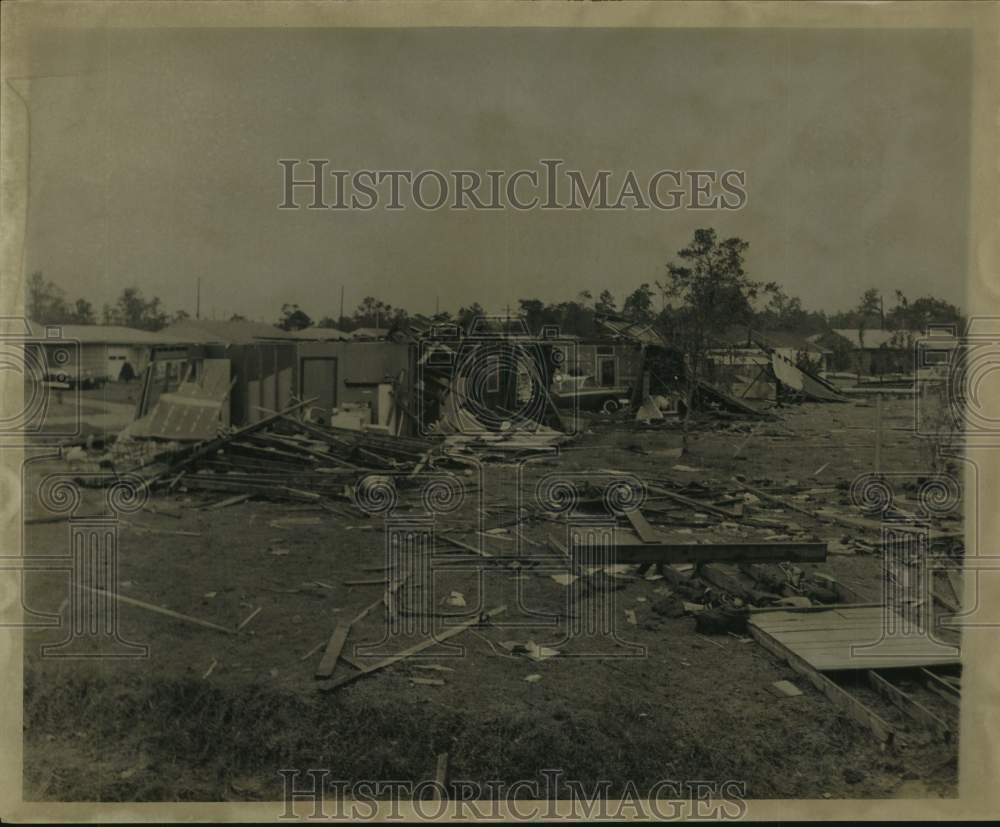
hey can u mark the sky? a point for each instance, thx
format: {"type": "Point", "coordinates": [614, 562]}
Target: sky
{"type": "Point", "coordinates": [154, 160]}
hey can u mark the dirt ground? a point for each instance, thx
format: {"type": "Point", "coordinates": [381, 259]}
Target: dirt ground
{"type": "Point", "coordinates": [214, 716]}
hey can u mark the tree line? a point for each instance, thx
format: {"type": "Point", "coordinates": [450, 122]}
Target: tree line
{"type": "Point", "coordinates": [703, 291]}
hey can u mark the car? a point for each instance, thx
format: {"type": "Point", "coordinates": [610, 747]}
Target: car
{"type": "Point", "coordinates": [585, 394]}
{"type": "Point", "coordinates": [73, 377]}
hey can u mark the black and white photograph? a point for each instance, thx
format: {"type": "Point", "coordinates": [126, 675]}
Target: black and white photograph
{"type": "Point", "coordinates": [499, 411]}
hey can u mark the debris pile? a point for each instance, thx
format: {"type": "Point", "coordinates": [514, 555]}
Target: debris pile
{"type": "Point", "coordinates": [282, 458]}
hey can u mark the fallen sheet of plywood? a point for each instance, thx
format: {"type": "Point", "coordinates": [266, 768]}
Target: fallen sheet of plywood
{"type": "Point", "coordinates": [850, 638]}
{"type": "Point", "coordinates": [195, 411]}
{"type": "Point", "coordinates": [708, 393]}
{"type": "Point", "coordinates": [792, 376]}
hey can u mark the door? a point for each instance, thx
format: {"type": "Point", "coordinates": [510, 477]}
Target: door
{"type": "Point", "coordinates": [607, 375]}
{"type": "Point", "coordinates": [318, 379]}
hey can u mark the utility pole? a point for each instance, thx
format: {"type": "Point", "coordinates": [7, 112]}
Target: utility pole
{"type": "Point", "coordinates": [341, 305]}
{"type": "Point", "coordinates": [197, 302]}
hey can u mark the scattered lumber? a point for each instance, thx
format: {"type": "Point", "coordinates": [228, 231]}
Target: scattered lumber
{"type": "Point", "coordinates": [281, 458]}
{"type": "Point", "coordinates": [448, 633]}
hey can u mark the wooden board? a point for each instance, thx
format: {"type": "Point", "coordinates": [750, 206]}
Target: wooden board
{"type": "Point", "coordinates": [841, 639]}
{"type": "Point", "coordinates": [333, 649]}
{"type": "Point", "coordinates": [642, 526]}
{"type": "Point", "coordinates": [629, 549]}
{"type": "Point", "coordinates": [328, 686]}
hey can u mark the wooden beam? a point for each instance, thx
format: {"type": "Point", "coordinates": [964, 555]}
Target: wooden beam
{"type": "Point", "coordinates": [160, 610]}
{"type": "Point", "coordinates": [459, 544]}
{"type": "Point", "coordinates": [695, 504]}
{"type": "Point", "coordinates": [911, 708]}
{"type": "Point", "coordinates": [250, 617]}
{"type": "Point", "coordinates": [333, 649]}
{"type": "Point", "coordinates": [641, 526]}
{"type": "Point", "coordinates": [628, 550]}
{"type": "Point", "coordinates": [800, 609]}
{"type": "Point", "coordinates": [234, 500]}
{"type": "Point", "coordinates": [880, 728]}
{"type": "Point", "coordinates": [450, 632]}
{"type": "Point", "coordinates": [440, 775]}
{"type": "Point", "coordinates": [942, 688]}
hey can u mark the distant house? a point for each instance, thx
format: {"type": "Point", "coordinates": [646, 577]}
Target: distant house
{"type": "Point", "coordinates": [319, 334]}
{"type": "Point", "coordinates": [371, 334]}
{"type": "Point", "coordinates": [271, 368]}
{"type": "Point", "coordinates": [740, 344]}
{"type": "Point", "coordinates": [870, 352]}
{"type": "Point", "coordinates": [92, 354]}
{"type": "Point", "coordinates": [740, 361]}
{"type": "Point", "coordinates": [608, 363]}
{"type": "Point", "coordinates": [262, 361]}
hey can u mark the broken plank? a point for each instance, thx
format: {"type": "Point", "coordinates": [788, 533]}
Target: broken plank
{"type": "Point", "coordinates": [804, 609]}
{"type": "Point", "coordinates": [440, 775]}
{"type": "Point", "coordinates": [695, 504]}
{"type": "Point", "coordinates": [250, 617]}
{"type": "Point", "coordinates": [764, 495]}
{"type": "Point", "coordinates": [910, 707]}
{"type": "Point", "coordinates": [459, 544]}
{"type": "Point", "coordinates": [234, 500]}
{"type": "Point", "coordinates": [365, 611]}
{"type": "Point", "coordinates": [61, 518]}
{"type": "Point", "coordinates": [160, 610]}
{"type": "Point", "coordinates": [641, 526]}
{"type": "Point", "coordinates": [333, 650]}
{"type": "Point", "coordinates": [942, 688]}
{"type": "Point", "coordinates": [413, 650]}
{"type": "Point", "coordinates": [880, 728]}
{"type": "Point", "coordinates": [627, 550]}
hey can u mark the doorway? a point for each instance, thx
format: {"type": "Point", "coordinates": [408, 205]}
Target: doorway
{"type": "Point", "coordinates": [318, 379]}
